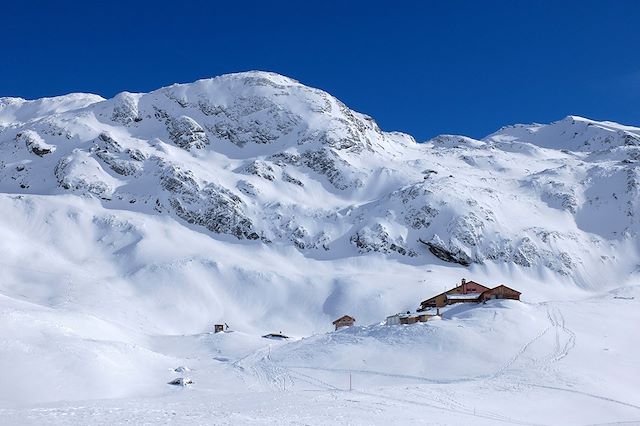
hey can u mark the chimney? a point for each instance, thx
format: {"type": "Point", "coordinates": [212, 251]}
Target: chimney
{"type": "Point", "coordinates": [464, 286]}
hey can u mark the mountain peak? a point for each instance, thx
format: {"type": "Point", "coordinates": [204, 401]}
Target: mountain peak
{"type": "Point", "coordinates": [19, 110]}
{"type": "Point", "coordinates": [572, 133]}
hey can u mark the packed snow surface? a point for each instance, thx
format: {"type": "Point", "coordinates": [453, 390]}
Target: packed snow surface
{"type": "Point", "coordinates": [130, 226]}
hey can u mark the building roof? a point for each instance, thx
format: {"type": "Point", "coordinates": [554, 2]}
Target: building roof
{"type": "Point", "coordinates": [344, 317]}
{"type": "Point", "coordinates": [468, 296]}
{"type": "Point", "coordinates": [502, 285]}
{"type": "Point", "coordinates": [411, 314]}
{"type": "Point", "coordinates": [470, 282]}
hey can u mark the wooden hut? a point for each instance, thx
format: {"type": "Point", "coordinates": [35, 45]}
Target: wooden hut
{"type": "Point", "coordinates": [409, 318]}
{"type": "Point", "coordinates": [218, 328]}
{"type": "Point", "coordinates": [344, 321]}
{"type": "Point", "coordinates": [500, 292]}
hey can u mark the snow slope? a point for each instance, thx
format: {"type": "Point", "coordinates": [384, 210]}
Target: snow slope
{"type": "Point", "coordinates": [131, 225]}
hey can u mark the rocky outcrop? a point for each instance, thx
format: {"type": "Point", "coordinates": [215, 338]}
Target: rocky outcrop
{"type": "Point", "coordinates": [34, 143]}
{"type": "Point", "coordinates": [121, 161]}
{"type": "Point", "coordinates": [446, 252]}
{"type": "Point", "coordinates": [328, 164]}
{"type": "Point", "coordinates": [288, 178]}
{"type": "Point", "coordinates": [377, 239]}
{"type": "Point", "coordinates": [125, 109]}
{"type": "Point", "coordinates": [186, 133]}
{"type": "Point", "coordinates": [261, 169]}
{"type": "Point", "coordinates": [82, 174]}
{"type": "Point", "coordinates": [210, 205]}
{"type": "Point", "coordinates": [250, 120]}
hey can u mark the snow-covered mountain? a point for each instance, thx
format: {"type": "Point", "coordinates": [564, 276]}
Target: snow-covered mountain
{"type": "Point", "coordinates": [255, 200]}
{"type": "Point", "coordinates": [258, 156]}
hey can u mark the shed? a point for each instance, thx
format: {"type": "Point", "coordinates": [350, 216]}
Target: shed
{"type": "Point", "coordinates": [344, 321]}
{"type": "Point", "coordinates": [393, 320]}
{"type": "Point", "coordinates": [409, 318]}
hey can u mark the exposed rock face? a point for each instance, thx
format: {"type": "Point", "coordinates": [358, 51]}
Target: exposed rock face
{"type": "Point", "coordinates": [125, 109]}
{"type": "Point", "coordinates": [288, 178]}
{"type": "Point", "coordinates": [82, 174]}
{"type": "Point", "coordinates": [449, 254]}
{"type": "Point", "coordinates": [122, 161]}
{"type": "Point", "coordinates": [34, 143]}
{"type": "Point", "coordinates": [251, 119]}
{"type": "Point", "coordinates": [261, 169]}
{"type": "Point", "coordinates": [326, 163]}
{"type": "Point", "coordinates": [378, 239]}
{"type": "Point", "coordinates": [257, 156]}
{"type": "Point", "coordinates": [212, 206]}
{"type": "Point", "coordinates": [186, 132]}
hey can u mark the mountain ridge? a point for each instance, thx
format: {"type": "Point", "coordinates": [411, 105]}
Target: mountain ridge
{"type": "Point", "coordinates": [259, 156]}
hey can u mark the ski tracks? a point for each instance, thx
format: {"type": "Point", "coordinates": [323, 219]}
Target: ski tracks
{"type": "Point", "coordinates": [564, 340]}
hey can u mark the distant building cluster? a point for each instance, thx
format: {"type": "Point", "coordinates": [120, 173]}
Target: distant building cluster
{"type": "Point", "coordinates": [466, 292]}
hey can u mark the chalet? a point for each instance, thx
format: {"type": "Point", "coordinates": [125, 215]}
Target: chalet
{"type": "Point", "coordinates": [344, 321]}
{"type": "Point", "coordinates": [469, 292]}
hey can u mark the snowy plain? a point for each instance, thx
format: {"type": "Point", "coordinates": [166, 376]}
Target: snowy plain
{"type": "Point", "coordinates": [130, 226]}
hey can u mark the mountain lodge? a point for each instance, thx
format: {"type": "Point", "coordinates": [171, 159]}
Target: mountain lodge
{"type": "Point", "coordinates": [469, 292]}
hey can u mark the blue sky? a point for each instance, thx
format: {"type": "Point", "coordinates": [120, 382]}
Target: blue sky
{"type": "Point", "coordinates": [426, 68]}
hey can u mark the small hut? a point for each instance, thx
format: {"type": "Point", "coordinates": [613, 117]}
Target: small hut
{"type": "Point", "coordinates": [410, 318]}
{"type": "Point", "coordinates": [344, 321]}
{"type": "Point", "coordinates": [393, 320]}
{"type": "Point", "coordinates": [218, 328]}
